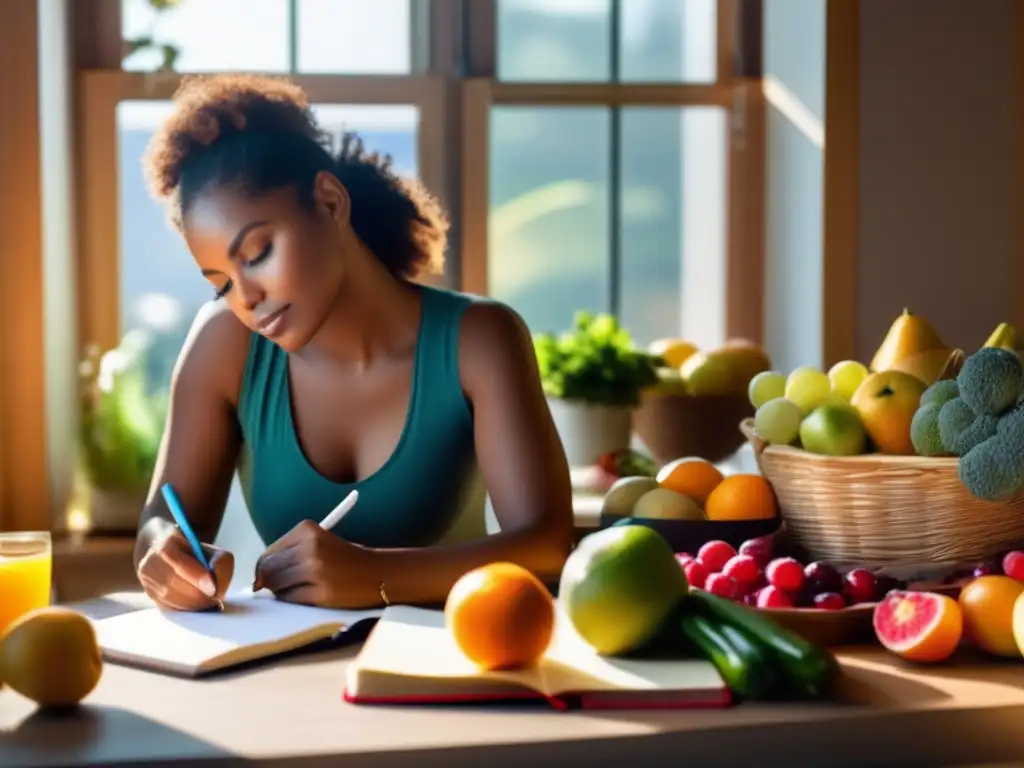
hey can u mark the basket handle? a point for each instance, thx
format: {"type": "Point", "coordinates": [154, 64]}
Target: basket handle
{"type": "Point", "coordinates": [756, 441]}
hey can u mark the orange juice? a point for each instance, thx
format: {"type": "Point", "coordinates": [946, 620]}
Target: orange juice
{"type": "Point", "coordinates": [25, 575]}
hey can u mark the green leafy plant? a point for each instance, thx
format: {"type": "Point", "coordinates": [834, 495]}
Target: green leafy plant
{"type": "Point", "coordinates": [121, 423]}
{"type": "Point", "coordinates": [595, 362]}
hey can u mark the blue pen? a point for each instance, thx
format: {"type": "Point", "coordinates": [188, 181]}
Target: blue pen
{"type": "Point", "coordinates": [178, 513]}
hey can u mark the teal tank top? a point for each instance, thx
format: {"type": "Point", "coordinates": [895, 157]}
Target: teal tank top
{"type": "Point", "coordinates": [416, 496]}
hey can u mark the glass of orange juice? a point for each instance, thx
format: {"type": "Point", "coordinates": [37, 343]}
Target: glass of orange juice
{"type": "Point", "coordinates": [25, 574]}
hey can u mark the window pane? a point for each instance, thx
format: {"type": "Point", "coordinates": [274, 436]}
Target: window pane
{"type": "Point", "coordinates": [161, 288]}
{"type": "Point", "coordinates": [554, 40]}
{"type": "Point", "coordinates": [672, 204]}
{"type": "Point", "coordinates": [354, 36]}
{"type": "Point", "coordinates": [548, 254]}
{"type": "Point", "coordinates": [223, 35]}
{"type": "Point", "coordinates": [668, 40]}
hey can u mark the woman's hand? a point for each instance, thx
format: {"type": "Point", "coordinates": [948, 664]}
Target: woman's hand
{"type": "Point", "coordinates": [173, 578]}
{"type": "Point", "coordinates": [311, 566]}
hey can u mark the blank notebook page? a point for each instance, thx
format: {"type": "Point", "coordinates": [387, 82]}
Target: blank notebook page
{"type": "Point", "coordinates": [188, 640]}
{"type": "Point", "coordinates": [413, 642]}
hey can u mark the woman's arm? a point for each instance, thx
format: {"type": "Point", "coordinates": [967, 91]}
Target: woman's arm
{"type": "Point", "coordinates": [201, 439]}
{"type": "Point", "coordinates": [521, 458]}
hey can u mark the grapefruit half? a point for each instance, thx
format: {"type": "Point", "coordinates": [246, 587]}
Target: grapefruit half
{"type": "Point", "coordinates": [919, 626]}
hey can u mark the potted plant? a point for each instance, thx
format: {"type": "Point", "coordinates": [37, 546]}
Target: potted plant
{"type": "Point", "coordinates": [592, 375]}
{"type": "Point", "coordinates": [121, 426]}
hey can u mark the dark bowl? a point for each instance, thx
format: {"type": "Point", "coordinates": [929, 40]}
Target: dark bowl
{"type": "Point", "coordinates": [690, 535]}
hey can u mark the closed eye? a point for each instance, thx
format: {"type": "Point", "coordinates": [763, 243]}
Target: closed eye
{"type": "Point", "coordinates": [256, 260]}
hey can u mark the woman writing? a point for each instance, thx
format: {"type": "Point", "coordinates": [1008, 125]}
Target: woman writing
{"type": "Point", "coordinates": [321, 367]}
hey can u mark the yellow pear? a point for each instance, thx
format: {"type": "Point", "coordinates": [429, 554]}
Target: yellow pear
{"type": "Point", "coordinates": [926, 366]}
{"type": "Point", "coordinates": [1003, 337]}
{"type": "Point", "coordinates": [909, 335]}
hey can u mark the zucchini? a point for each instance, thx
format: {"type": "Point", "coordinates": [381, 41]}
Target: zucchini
{"type": "Point", "coordinates": [809, 669]}
{"type": "Point", "coordinates": [745, 667]}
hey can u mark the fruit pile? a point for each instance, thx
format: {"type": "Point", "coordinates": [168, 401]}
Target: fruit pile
{"type": "Point", "coordinates": [686, 370]}
{"type": "Point", "coordinates": [623, 592]}
{"type": "Point", "coordinates": [855, 409]}
{"type": "Point", "coordinates": [978, 417]}
{"type": "Point", "coordinates": [759, 577]}
{"type": "Point", "coordinates": [926, 627]}
{"type": "Point", "coordinates": [690, 489]}
{"type": "Point", "coordinates": [51, 656]}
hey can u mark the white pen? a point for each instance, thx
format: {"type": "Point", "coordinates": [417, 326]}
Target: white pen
{"type": "Point", "coordinates": [333, 518]}
{"type": "Point", "coordinates": [340, 511]}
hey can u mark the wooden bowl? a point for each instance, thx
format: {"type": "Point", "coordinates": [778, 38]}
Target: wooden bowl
{"type": "Point", "coordinates": [847, 626]}
{"type": "Point", "coordinates": [673, 426]}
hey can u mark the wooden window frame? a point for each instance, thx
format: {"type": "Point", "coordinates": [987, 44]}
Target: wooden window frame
{"type": "Point", "coordinates": [737, 89]}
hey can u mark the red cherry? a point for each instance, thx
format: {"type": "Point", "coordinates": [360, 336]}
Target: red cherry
{"type": "Point", "coordinates": [751, 598]}
{"type": "Point", "coordinates": [743, 568]}
{"type": "Point", "coordinates": [683, 558]}
{"type": "Point", "coordinates": [829, 601]}
{"type": "Point", "coordinates": [773, 597]}
{"type": "Point", "coordinates": [785, 573]}
{"type": "Point", "coordinates": [696, 573]}
{"type": "Point", "coordinates": [714, 555]}
{"type": "Point", "coordinates": [1013, 565]}
{"type": "Point", "coordinates": [723, 586]}
{"type": "Point", "coordinates": [760, 549]}
{"type": "Point", "coordinates": [860, 586]}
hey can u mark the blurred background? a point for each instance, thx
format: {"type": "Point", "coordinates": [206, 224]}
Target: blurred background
{"type": "Point", "coordinates": [792, 172]}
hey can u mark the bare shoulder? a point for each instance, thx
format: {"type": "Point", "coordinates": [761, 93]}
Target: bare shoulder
{"type": "Point", "coordinates": [494, 340]}
{"type": "Point", "coordinates": [214, 353]}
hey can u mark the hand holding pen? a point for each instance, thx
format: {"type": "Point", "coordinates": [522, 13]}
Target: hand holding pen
{"type": "Point", "coordinates": [180, 573]}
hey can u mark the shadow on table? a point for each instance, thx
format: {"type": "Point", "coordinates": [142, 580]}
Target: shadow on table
{"type": "Point", "coordinates": [99, 735]}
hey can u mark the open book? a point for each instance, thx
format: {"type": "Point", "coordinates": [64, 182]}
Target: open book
{"type": "Point", "coordinates": [251, 628]}
{"type": "Point", "coordinates": [410, 658]}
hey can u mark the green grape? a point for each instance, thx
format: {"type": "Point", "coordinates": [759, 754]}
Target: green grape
{"type": "Point", "coordinates": [766, 386]}
{"type": "Point", "coordinates": [847, 376]}
{"type": "Point", "coordinates": [778, 421]}
{"type": "Point", "coordinates": [808, 388]}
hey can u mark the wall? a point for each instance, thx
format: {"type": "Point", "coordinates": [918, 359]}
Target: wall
{"type": "Point", "coordinates": [794, 70]}
{"type": "Point", "coordinates": [937, 172]}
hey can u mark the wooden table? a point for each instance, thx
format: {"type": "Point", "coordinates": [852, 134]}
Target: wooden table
{"type": "Point", "coordinates": [291, 713]}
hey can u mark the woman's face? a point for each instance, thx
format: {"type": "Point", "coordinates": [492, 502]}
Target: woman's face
{"type": "Point", "coordinates": [278, 266]}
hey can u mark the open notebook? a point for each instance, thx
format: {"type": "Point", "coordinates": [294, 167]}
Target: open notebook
{"type": "Point", "coordinates": [410, 658]}
{"type": "Point", "coordinates": [251, 627]}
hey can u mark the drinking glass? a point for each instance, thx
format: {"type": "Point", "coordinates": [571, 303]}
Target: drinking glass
{"type": "Point", "coordinates": [25, 574]}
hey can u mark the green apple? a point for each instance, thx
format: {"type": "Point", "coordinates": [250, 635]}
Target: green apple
{"type": "Point", "coordinates": [833, 430]}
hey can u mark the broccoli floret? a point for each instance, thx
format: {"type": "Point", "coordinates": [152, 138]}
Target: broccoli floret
{"type": "Point", "coordinates": [982, 429]}
{"type": "Point", "coordinates": [994, 469]}
{"type": "Point", "coordinates": [991, 380]}
{"type": "Point", "coordinates": [941, 392]}
{"type": "Point", "coordinates": [954, 417]}
{"type": "Point", "coordinates": [924, 431]}
{"type": "Point", "coordinates": [1012, 421]}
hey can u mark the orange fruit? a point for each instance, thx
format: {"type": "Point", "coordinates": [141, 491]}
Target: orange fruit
{"type": "Point", "coordinates": [987, 605]}
{"type": "Point", "coordinates": [887, 402]}
{"type": "Point", "coordinates": [919, 626]}
{"type": "Point", "coordinates": [742, 497]}
{"type": "Point", "coordinates": [501, 616]}
{"type": "Point", "coordinates": [691, 477]}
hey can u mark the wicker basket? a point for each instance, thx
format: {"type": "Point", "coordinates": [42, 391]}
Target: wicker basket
{"type": "Point", "coordinates": [885, 510]}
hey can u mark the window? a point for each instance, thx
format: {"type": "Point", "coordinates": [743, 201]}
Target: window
{"type": "Point", "coordinates": [330, 36]}
{"type": "Point", "coordinates": [160, 287]}
{"type": "Point", "coordinates": [608, 160]}
{"type": "Point", "coordinates": [574, 40]}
